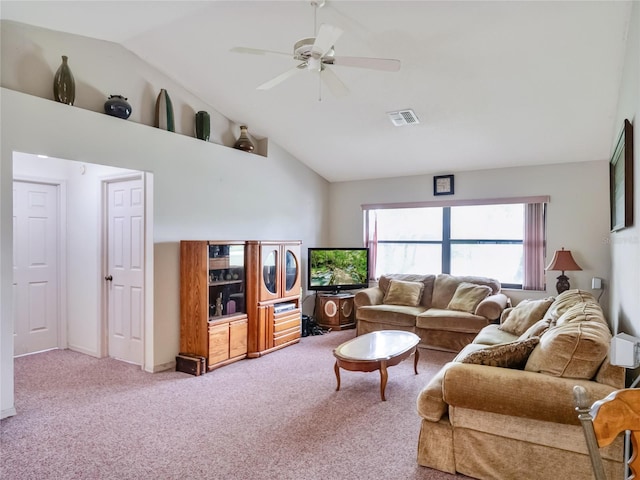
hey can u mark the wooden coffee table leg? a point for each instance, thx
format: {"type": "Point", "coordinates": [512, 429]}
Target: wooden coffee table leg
{"type": "Point", "coordinates": [336, 369]}
{"type": "Point", "coordinates": [415, 360]}
{"type": "Point", "coordinates": [383, 379]}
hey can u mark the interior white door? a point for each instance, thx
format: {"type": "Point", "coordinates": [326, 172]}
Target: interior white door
{"type": "Point", "coordinates": [125, 270]}
{"type": "Point", "coordinates": [35, 267]}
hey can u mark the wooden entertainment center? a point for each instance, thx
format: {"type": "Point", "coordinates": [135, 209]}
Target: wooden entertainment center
{"type": "Point", "coordinates": [238, 299]}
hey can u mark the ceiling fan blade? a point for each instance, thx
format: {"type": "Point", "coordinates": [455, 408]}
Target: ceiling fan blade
{"type": "Point", "coordinates": [282, 77]}
{"type": "Point", "coordinates": [327, 36]}
{"type": "Point", "coordinates": [333, 83]}
{"type": "Point", "coordinates": [257, 51]}
{"type": "Point", "coordinates": [387, 64]}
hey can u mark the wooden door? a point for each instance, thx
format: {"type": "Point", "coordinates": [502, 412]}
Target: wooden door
{"type": "Point", "coordinates": [125, 270]}
{"type": "Point", "coordinates": [35, 267]}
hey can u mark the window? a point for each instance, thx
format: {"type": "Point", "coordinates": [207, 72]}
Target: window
{"type": "Point", "coordinates": [502, 240]}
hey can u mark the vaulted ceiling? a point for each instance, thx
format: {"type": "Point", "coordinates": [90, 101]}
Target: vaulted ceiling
{"type": "Point", "coordinates": [493, 83]}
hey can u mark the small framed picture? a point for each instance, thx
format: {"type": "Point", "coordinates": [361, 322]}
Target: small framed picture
{"type": "Point", "coordinates": [443, 185]}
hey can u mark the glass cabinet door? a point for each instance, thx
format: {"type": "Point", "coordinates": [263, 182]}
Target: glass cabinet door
{"type": "Point", "coordinates": [226, 280]}
{"type": "Point", "coordinates": [270, 272]}
{"type": "Point", "coordinates": [291, 270]}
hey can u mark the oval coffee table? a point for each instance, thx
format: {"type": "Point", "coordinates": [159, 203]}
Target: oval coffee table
{"type": "Point", "coordinates": [376, 351]}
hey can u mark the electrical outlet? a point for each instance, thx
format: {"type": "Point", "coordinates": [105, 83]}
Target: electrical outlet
{"type": "Point", "coordinates": [596, 283]}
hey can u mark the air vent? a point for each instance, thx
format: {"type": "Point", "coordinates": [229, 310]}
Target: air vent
{"type": "Point", "coordinates": [403, 117]}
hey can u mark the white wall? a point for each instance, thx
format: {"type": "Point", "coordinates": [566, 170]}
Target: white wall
{"type": "Point", "coordinates": [202, 190]}
{"type": "Point", "coordinates": [577, 215]}
{"type": "Point", "coordinates": [625, 244]}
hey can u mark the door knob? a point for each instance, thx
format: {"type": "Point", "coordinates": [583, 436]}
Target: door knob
{"type": "Point", "coordinates": [108, 278]}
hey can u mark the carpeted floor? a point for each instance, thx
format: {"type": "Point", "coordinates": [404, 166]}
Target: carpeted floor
{"type": "Point", "coordinates": [275, 417]}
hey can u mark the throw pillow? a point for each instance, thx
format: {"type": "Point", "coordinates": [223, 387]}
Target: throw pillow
{"type": "Point", "coordinates": [403, 293]}
{"type": "Point", "coordinates": [505, 355]}
{"type": "Point", "coordinates": [518, 319]}
{"type": "Point", "coordinates": [468, 296]}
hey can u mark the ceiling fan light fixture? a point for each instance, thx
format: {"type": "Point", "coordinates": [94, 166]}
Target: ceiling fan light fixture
{"type": "Point", "coordinates": [401, 118]}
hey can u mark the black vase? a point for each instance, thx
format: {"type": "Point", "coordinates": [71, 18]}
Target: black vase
{"type": "Point", "coordinates": [117, 106]}
{"type": "Point", "coordinates": [64, 86]}
{"type": "Point", "coordinates": [203, 125]}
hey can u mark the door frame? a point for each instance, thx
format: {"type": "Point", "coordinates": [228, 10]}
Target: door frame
{"type": "Point", "coordinates": [61, 250]}
{"type": "Point", "coordinates": [147, 282]}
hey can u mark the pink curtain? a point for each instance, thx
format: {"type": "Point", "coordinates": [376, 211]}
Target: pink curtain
{"type": "Point", "coordinates": [371, 241]}
{"type": "Point", "coordinates": [534, 247]}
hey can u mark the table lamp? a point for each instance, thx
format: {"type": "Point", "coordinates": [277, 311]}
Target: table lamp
{"type": "Point", "coordinates": [563, 261]}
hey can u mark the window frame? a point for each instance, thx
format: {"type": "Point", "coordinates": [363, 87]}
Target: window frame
{"type": "Point", "coordinates": [446, 242]}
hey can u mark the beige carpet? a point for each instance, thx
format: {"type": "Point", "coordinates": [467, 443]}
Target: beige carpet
{"type": "Point", "coordinates": [275, 417]}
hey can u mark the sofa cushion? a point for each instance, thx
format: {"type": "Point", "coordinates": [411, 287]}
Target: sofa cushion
{"type": "Point", "coordinates": [450, 320]}
{"type": "Point", "coordinates": [572, 350]}
{"type": "Point", "coordinates": [400, 315]}
{"type": "Point", "coordinates": [506, 355]}
{"type": "Point", "coordinates": [445, 286]}
{"type": "Point", "coordinates": [518, 319]}
{"type": "Point", "coordinates": [588, 311]}
{"type": "Point", "coordinates": [492, 335]}
{"type": "Point", "coordinates": [467, 297]}
{"type": "Point", "coordinates": [564, 301]}
{"type": "Point", "coordinates": [401, 292]}
{"type": "Point", "coordinates": [428, 280]}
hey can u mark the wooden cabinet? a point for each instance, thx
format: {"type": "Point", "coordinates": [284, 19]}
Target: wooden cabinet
{"type": "Point", "coordinates": [213, 318]}
{"type": "Point", "coordinates": [335, 311]}
{"type": "Point", "coordinates": [273, 295]}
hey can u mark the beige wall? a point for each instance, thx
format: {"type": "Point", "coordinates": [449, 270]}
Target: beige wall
{"type": "Point", "coordinates": [577, 215]}
{"type": "Point", "coordinates": [202, 190]}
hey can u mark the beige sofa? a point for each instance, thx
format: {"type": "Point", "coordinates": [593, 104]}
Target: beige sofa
{"type": "Point", "coordinates": [503, 408]}
{"type": "Point", "coordinates": [445, 311]}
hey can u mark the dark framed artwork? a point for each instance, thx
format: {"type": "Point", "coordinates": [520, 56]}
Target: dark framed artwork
{"type": "Point", "coordinates": [443, 185]}
{"type": "Point", "coordinates": [621, 180]}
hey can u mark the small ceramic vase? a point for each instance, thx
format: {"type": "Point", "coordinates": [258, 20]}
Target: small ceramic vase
{"type": "Point", "coordinates": [243, 142]}
{"type": "Point", "coordinates": [203, 125]}
{"type": "Point", "coordinates": [117, 106]}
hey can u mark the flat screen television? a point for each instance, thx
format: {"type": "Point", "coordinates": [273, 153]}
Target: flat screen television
{"type": "Point", "coordinates": [337, 269]}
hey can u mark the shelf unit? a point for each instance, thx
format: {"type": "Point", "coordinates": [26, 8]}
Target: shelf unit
{"type": "Point", "coordinates": [213, 318]}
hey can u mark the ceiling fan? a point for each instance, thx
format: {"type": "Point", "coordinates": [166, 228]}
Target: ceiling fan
{"type": "Point", "coordinates": [315, 54]}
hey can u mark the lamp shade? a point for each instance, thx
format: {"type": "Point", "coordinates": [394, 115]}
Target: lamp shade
{"type": "Point", "coordinates": [563, 261]}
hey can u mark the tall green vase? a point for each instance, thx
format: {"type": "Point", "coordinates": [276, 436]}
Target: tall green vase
{"type": "Point", "coordinates": [64, 86]}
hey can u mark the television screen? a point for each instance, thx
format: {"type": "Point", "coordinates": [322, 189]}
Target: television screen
{"type": "Point", "coordinates": [335, 269]}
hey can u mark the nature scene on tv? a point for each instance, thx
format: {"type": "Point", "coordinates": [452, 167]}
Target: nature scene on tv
{"type": "Point", "coordinates": [338, 267]}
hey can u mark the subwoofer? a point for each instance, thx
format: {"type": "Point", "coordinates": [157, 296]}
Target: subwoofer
{"type": "Point", "coordinates": [335, 311]}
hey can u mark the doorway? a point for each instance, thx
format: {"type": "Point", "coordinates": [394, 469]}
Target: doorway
{"type": "Point", "coordinates": [36, 258]}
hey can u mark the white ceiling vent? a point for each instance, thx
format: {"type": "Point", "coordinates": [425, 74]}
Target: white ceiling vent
{"type": "Point", "coordinates": [403, 117]}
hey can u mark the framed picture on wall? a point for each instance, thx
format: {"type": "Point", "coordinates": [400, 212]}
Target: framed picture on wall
{"type": "Point", "coordinates": [443, 185]}
{"type": "Point", "coordinates": [621, 180]}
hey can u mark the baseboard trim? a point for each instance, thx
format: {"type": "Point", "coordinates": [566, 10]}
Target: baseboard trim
{"type": "Point", "coordinates": [91, 353]}
{"type": "Point", "coordinates": [8, 412]}
{"type": "Point", "coordinates": [163, 367]}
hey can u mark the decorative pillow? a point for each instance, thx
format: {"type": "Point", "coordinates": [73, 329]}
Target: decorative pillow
{"type": "Point", "coordinates": [403, 293]}
{"type": "Point", "coordinates": [505, 355]}
{"type": "Point", "coordinates": [468, 296]}
{"type": "Point", "coordinates": [518, 319]}
{"type": "Point", "coordinates": [536, 330]}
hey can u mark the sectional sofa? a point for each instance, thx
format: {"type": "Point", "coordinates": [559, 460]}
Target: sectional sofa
{"type": "Point", "coordinates": [503, 408]}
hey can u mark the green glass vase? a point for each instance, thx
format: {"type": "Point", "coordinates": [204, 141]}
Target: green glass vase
{"type": "Point", "coordinates": [203, 125]}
